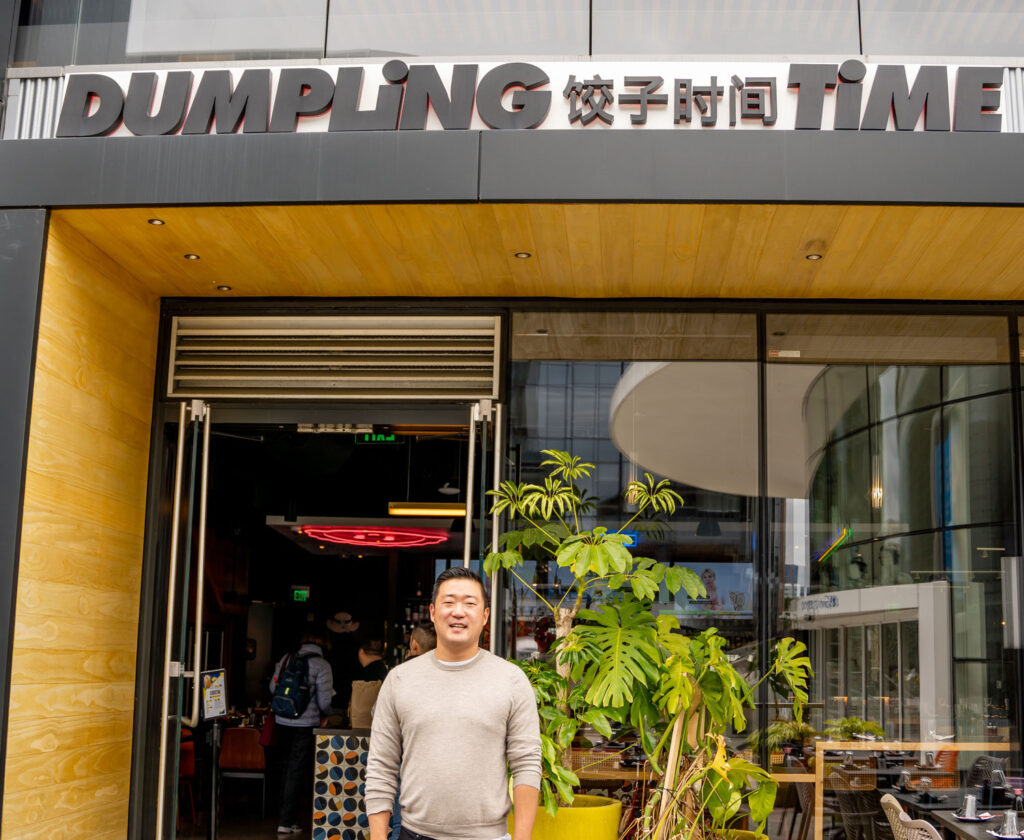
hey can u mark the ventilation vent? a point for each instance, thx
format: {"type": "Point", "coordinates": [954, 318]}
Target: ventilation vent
{"type": "Point", "coordinates": [343, 357]}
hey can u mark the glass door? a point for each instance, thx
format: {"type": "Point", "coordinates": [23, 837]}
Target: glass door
{"type": "Point", "coordinates": [179, 700]}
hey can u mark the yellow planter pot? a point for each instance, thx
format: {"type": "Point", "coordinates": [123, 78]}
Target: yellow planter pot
{"type": "Point", "coordinates": [589, 818]}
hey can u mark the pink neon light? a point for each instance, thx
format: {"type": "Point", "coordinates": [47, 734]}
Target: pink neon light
{"type": "Point", "coordinates": [384, 537]}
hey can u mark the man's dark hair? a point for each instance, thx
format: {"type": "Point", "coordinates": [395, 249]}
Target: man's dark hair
{"type": "Point", "coordinates": [457, 573]}
{"type": "Point", "coordinates": [372, 647]}
{"type": "Point", "coordinates": [425, 636]}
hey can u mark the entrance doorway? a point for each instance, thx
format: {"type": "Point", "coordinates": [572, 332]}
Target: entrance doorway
{"type": "Point", "coordinates": [270, 531]}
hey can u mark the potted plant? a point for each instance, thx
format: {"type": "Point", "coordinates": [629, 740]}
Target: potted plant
{"type": "Point", "coordinates": [619, 664]}
{"type": "Point", "coordinates": [852, 728]}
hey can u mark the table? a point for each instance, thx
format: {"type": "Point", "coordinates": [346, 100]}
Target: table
{"type": "Point", "coordinates": [967, 830]}
{"type": "Point", "coordinates": [949, 800]}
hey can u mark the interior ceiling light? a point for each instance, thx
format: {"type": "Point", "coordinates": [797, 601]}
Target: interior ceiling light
{"type": "Point", "coordinates": [522, 255]}
{"type": "Point", "coordinates": [380, 537]}
{"type": "Point", "coordinates": [448, 509]}
{"type": "Point", "coordinates": [156, 222]}
{"type": "Point", "coordinates": [191, 256]}
{"type": "Point", "coordinates": [813, 257]}
{"type": "Point", "coordinates": [223, 288]}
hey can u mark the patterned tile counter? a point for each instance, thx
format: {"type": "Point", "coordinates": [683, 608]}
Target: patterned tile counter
{"type": "Point", "coordinates": [339, 782]}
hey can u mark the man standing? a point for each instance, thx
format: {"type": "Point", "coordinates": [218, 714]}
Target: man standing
{"type": "Point", "coordinates": [455, 720]}
{"type": "Point", "coordinates": [295, 735]}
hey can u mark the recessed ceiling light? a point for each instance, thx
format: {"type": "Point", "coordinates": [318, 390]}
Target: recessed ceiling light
{"type": "Point", "coordinates": [191, 256]}
{"type": "Point", "coordinates": [522, 255]}
{"type": "Point", "coordinates": [156, 222]}
{"type": "Point", "coordinates": [223, 288]}
{"type": "Point", "coordinates": [813, 257]}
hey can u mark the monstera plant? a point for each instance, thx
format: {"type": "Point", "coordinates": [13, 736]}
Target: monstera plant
{"type": "Point", "coordinates": [616, 664]}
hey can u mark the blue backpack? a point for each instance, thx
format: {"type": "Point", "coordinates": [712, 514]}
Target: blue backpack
{"type": "Point", "coordinates": [291, 696]}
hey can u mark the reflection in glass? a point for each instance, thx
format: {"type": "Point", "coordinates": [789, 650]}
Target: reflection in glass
{"type": "Point", "coordinates": [897, 516]}
{"type": "Point", "coordinates": [691, 422]}
{"type": "Point", "coordinates": [67, 32]}
{"type": "Point", "coordinates": [481, 28]}
{"type": "Point", "coordinates": [976, 483]}
{"type": "Point", "coordinates": [727, 27]}
{"type": "Point", "coordinates": [941, 27]}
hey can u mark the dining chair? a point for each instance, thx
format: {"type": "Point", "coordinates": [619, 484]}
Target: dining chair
{"type": "Point", "coordinates": [241, 757]}
{"type": "Point", "coordinates": [916, 829]}
{"type": "Point", "coordinates": [981, 770]}
{"type": "Point", "coordinates": [893, 810]}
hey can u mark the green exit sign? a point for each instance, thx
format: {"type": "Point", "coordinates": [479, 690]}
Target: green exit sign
{"type": "Point", "coordinates": [300, 593]}
{"type": "Point", "coordinates": [378, 437]}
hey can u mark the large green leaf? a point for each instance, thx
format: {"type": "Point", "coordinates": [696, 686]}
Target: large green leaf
{"type": "Point", "coordinates": [625, 638]}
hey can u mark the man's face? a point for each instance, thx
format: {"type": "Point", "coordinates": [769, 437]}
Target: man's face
{"type": "Point", "coordinates": [459, 613]}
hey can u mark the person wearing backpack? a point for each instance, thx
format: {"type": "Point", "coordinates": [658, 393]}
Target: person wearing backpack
{"type": "Point", "coordinates": [302, 687]}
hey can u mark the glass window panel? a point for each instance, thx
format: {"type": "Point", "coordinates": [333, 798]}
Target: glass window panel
{"type": "Point", "coordinates": [886, 436]}
{"type": "Point", "coordinates": [962, 381]}
{"type": "Point", "coordinates": [941, 27]}
{"type": "Point", "coordinates": [854, 672]}
{"type": "Point", "coordinates": [899, 389]}
{"type": "Point", "coordinates": [481, 28]}
{"type": "Point", "coordinates": [726, 27]}
{"type": "Point", "coordinates": [633, 335]}
{"type": "Point", "coordinates": [66, 32]}
{"type": "Point", "coordinates": [908, 559]}
{"type": "Point", "coordinates": [873, 674]}
{"type": "Point", "coordinates": [889, 701]}
{"type": "Point", "coordinates": [904, 468]}
{"type": "Point", "coordinates": [692, 422]}
{"type": "Point", "coordinates": [977, 480]}
{"type": "Point", "coordinates": [910, 669]}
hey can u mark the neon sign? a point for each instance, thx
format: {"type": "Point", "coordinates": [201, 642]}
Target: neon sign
{"type": "Point", "coordinates": [382, 537]}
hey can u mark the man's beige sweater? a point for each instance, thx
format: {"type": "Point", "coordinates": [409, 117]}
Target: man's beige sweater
{"type": "Point", "coordinates": [453, 732]}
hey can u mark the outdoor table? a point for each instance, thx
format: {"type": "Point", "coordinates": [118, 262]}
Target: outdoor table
{"type": "Point", "coordinates": [967, 830]}
{"type": "Point", "coordinates": [948, 800]}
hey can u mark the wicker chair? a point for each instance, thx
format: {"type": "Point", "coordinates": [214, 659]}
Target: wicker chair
{"type": "Point", "coordinates": [893, 811]}
{"type": "Point", "coordinates": [916, 829]}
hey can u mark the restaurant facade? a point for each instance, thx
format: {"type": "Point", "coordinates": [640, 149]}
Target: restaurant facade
{"type": "Point", "coordinates": [767, 250]}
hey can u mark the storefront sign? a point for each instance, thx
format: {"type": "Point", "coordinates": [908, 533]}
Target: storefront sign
{"type": "Point", "coordinates": [396, 96]}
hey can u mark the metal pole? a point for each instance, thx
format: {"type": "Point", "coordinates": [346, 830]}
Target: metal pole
{"type": "Point", "coordinates": [474, 413]}
{"type": "Point", "coordinates": [215, 738]}
{"type": "Point", "coordinates": [172, 583]}
{"type": "Point", "coordinates": [496, 481]}
{"type": "Point", "coordinates": [193, 720]}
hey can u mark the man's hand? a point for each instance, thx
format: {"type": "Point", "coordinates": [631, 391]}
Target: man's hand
{"type": "Point", "coordinates": [379, 824]}
{"type": "Point", "coordinates": [524, 811]}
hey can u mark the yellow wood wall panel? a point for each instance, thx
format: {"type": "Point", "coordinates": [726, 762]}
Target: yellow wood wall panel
{"type": "Point", "coordinates": [68, 801]}
{"type": "Point", "coordinates": [101, 822]}
{"type": "Point", "coordinates": [75, 666]}
{"type": "Point", "coordinates": [64, 702]}
{"type": "Point", "coordinates": [89, 474]}
{"type": "Point", "coordinates": [60, 548]}
{"type": "Point", "coordinates": [35, 630]}
{"type": "Point", "coordinates": [36, 735]}
{"type": "Point", "coordinates": [118, 514]}
{"type": "Point", "coordinates": [67, 598]}
{"type": "Point", "coordinates": [105, 386]}
{"type": "Point", "coordinates": [88, 411]}
{"type": "Point", "coordinates": [76, 618]}
{"type": "Point", "coordinates": [49, 423]}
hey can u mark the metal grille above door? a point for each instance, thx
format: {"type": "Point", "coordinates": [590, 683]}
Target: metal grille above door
{"type": "Point", "coordinates": [371, 357]}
